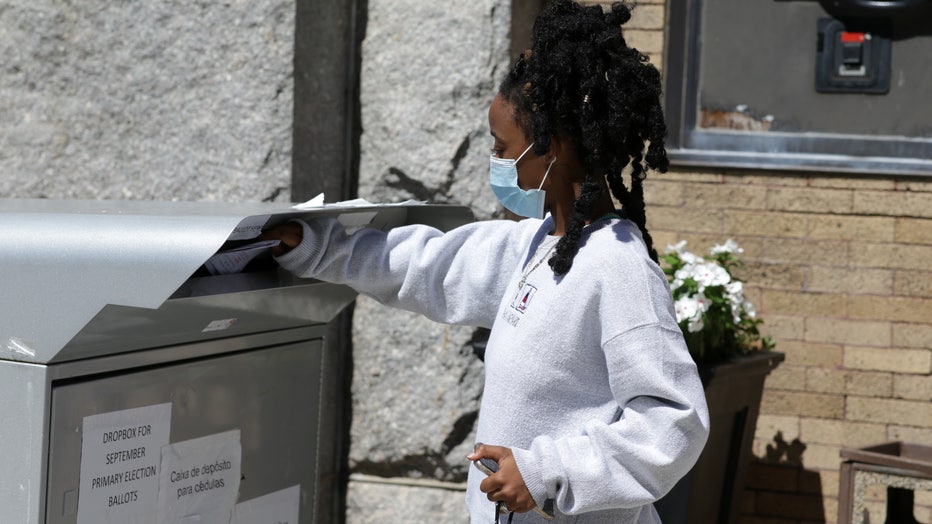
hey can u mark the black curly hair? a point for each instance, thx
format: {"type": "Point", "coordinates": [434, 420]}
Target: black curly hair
{"type": "Point", "coordinates": [580, 80]}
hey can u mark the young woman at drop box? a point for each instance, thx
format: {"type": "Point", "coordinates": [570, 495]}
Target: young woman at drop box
{"type": "Point", "coordinates": [592, 407]}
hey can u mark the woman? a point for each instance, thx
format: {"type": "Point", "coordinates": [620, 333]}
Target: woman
{"type": "Point", "coordinates": [592, 407]}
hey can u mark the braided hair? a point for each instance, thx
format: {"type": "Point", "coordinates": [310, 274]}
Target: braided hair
{"type": "Point", "coordinates": [581, 81]}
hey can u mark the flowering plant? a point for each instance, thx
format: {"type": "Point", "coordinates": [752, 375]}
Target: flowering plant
{"type": "Point", "coordinates": [718, 322]}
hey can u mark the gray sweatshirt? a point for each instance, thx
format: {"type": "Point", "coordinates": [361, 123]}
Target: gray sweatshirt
{"type": "Point", "coordinates": [588, 379]}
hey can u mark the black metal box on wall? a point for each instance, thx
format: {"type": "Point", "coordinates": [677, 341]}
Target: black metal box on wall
{"type": "Point", "coordinates": [837, 85]}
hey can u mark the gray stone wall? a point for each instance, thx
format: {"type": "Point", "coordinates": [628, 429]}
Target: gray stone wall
{"type": "Point", "coordinates": [429, 73]}
{"type": "Point", "coordinates": [146, 100]}
{"type": "Point", "coordinates": [193, 101]}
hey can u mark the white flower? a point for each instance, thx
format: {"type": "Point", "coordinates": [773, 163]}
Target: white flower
{"type": "Point", "coordinates": [735, 295]}
{"type": "Point", "coordinates": [702, 302]}
{"type": "Point", "coordinates": [677, 248]}
{"type": "Point", "coordinates": [695, 325]}
{"type": "Point", "coordinates": [749, 308]}
{"type": "Point", "coordinates": [686, 308]}
{"type": "Point", "coordinates": [735, 291]}
{"type": "Point", "coordinates": [730, 246]}
{"type": "Point", "coordinates": [683, 273]}
{"type": "Point", "coordinates": [708, 274]}
{"type": "Point", "coordinates": [689, 258]}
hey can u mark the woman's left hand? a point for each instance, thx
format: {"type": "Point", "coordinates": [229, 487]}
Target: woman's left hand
{"type": "Point", "coordinates": [506, 485]}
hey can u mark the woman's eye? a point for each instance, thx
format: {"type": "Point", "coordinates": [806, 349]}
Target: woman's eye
{"type": "Point", "coordinates": [495, 151]}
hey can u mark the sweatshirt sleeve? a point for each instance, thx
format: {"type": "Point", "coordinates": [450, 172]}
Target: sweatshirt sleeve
{"type": "Point", "coordinates": [456, 277]}
{"type": "Point", "coordinates": [659, 433]}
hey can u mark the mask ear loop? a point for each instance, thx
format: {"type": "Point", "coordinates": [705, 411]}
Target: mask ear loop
{"type": "Point", "coordinates": [546, 173]}
{"type": "Point", "coordinates": [525, 152]}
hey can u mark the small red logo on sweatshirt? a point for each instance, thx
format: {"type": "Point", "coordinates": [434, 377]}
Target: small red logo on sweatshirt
{"type": "Point", "coordinates": [523, 298]}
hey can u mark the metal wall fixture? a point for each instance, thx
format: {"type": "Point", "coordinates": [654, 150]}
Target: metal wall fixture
{"type": "Point", "coordinates": [839, 86]}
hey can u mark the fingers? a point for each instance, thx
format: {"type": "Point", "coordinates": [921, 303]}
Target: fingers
{"type": "Point", "coordinates": [495, 453]}
{"type": "Point", "coordinates": [506, 485]}
{"type": "Point", "coordinates": [290, 234]}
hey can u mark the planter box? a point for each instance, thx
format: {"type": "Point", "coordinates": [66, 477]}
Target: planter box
{"type": "Point", "coordinates": [711, 492]}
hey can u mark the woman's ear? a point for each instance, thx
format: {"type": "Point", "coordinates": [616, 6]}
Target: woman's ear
{"type": "Point", "coordinates": [563, 150]}
{"type": "Point", "coordinates": [557, 145]}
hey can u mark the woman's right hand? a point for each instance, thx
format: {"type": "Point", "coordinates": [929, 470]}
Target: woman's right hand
{"type": "Point", "coordinates": [290, 234]}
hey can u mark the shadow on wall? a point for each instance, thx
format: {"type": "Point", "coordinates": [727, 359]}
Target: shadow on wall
{"type": "Point", "coordinates": [778, 485]}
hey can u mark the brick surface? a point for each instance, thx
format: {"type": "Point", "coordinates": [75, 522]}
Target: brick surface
{"type": "Point", "coordinates": [913, 283]}
{"type": "Point", "coordinates": [777, 179]}
{"type": "Point", "coordinates": [831, 511]}
{"type": "Point", "coordinates": [909, 434]}
{"type": "Point", "coordinates": [647, 17]}
{"type": "Point", "coordinates": [805, 251]}
{"type": "Point", "coordinates": [890, 411]}
{"type": "Point", "coordinates": [864, 229]}
{"type": "Point", "coordinates": [684, 219]}
{"type": "Point", "coordinates": [783, 329]}
{"type": "Point", "coordinates": [890, 256]}
{"type": "Point", "coordinates": [853, 182]}
{"type": "Point", "coordinates": [841, 331]}
{"type": "Point", "coordinates": [838, 267]}
{"type": "Point", "coordinates": [773, 477]}
{"type": "Point", "coordinates": [685, 175]}
{"type": "Point", "coordinates": [775, 276]}
{"type": "Point", "coordinates": [811, 354]}
{"type": "Point", "coordinates": [701, 243]}
{"type": "Point", "coordinates": [769, 425]}
{"type": "Point", "coordinates": [840, 433]}
{"type": "Point", "coordinates": [795, 303]}
{"type": "Point", "coordinates": [825, 380]}
{"type": "Point", "coordinates": [766, 224]}
{"type": "Point", "coordinates": [914, 387]}
{"type": "Point", "coordinates": [810, 482]}
{"type": "Point", "coordinates": [829, 480]}
{"type": "Point", "coordinates": [901, 309]}
{"type": "Point", "coordinates": [730, 195]}
{"type": "Point", "coordinates": [809, 200]}
{"type": "Point", "coordinates": [644, 41]}
{"type": "Point", "coordinates": [822, 456]}
{"type": "Point", "coordinates": [918, 185]}
{"type": "Point", "coordinates": [912, 335]}
{"type": "Point", "coordinates": [663, 193]}
{"type": "Point", "coordinates": [853, 281]}
{"type": "Point", "coordinates": [913, 230]}
{"type": "Point", "coordinates": [892, 203]}
{"type": "Point", "coordinates": [790, 506]}
{"type": "Point", "coordinates": [776, 402]}
{"type": "Point", "coordinates": [916, 361]}
{"type": "Point", "coordinates": [787, 377]}
{"type": "Point", "coordinates": [868, 384]}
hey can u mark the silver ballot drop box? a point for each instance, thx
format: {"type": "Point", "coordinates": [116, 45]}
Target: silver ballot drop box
{"type": "Point", "coordinates": [146, 379]}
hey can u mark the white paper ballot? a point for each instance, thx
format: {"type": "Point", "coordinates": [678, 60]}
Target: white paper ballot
{"type": "Point", "coordinates": [318, 202]}
{"type": "Point", "coordinates": [315, 202]}
{"type": "Point", "coordinates": [234, 260]}
{"type": "Point", "coordinates": [280, 507]}
{"type": "Point", "coordinates": [353, 222]}
{"type": "Point", "coordinates": [120, 459]}
{"type": "Point", "coordinates": [199, 481]}
{"type": "Point", "coordinates": [250, 227]}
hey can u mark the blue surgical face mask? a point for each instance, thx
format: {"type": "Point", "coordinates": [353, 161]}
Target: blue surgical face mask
{"type": "Point", "coordinates": [503, 176]}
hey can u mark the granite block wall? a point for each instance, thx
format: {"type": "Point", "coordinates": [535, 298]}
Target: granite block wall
{"type": "Point", "coordinates": [146, 100]}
